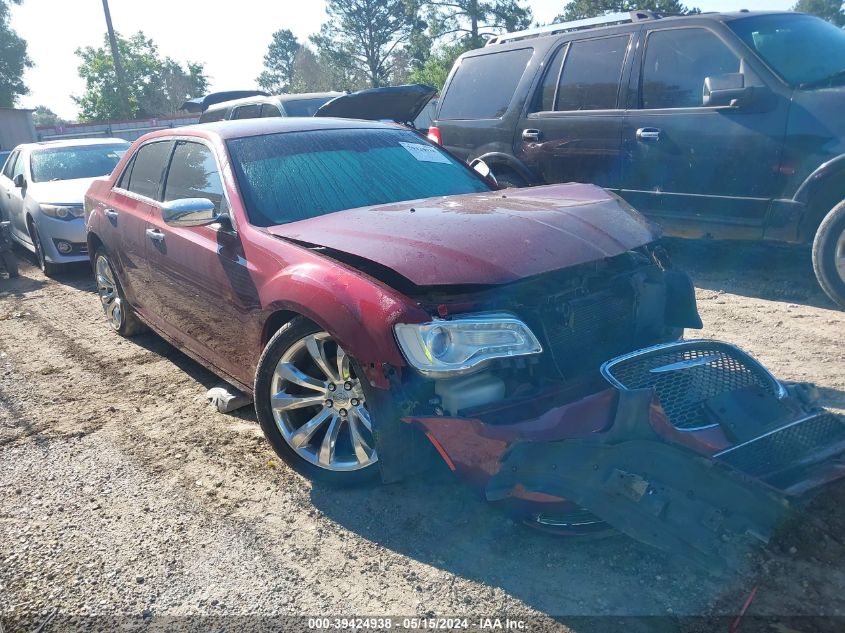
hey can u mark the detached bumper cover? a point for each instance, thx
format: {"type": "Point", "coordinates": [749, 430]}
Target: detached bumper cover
{"type": "Point", "coordinates": [704, 476]}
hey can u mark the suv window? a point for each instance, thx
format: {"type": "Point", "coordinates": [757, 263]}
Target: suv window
{"type": "Point", "coordinates": [193, 174]}
{"type": "Point", "coordinates": [247, 112]}
{"type": "Point", "coordinates": [9, 169]}
{"type": "Point", "coordinates": [147, 169]}
{"type": "Point", "coordinates": [483, 86]}
{"type": "Point", "coordinates": [210, 116]}
{"type": "Point", "coordinates": [592, 71]}
{"type": "Point", "coordinates": [677, 62]}
{"type": "Point", "coordinates": [269, 110]}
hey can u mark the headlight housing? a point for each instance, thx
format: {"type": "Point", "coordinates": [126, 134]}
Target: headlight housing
{"type": "Point", "coordinates": [458, 346]}
{"type": "Point", "coordinates": [63, 211]}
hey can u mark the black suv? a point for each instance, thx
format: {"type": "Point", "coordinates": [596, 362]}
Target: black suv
{"type": "Point", "coordinates": [722, 125]}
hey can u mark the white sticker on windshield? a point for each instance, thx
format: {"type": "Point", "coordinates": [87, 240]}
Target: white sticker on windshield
{"type": "Point", "coordinates": [425, 153]}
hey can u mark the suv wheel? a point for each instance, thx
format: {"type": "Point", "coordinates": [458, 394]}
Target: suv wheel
{"type": "Point", "coordinates": [829, 254]}
{"type": "Point", "coordinates": [312, 406]}
{"type": "Point", "coordinates": [119, 313]}
{"type": "Point", "coordinates": [508, 179]}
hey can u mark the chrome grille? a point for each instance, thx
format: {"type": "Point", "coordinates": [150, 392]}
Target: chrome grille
{"type": "Point", "coordinates": [787, 446]}
{"type": "Point", "coordinates": [685, 375]}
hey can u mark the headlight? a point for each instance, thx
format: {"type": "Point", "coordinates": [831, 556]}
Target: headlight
{"type": "Point", "coordinates": [449, 348]}
{"type": "Point", "coordinates": [63, 212]}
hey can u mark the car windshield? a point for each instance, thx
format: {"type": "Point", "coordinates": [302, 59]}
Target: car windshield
{"type": "Point", "coordinates": [805, 51]}
{"type": "Point", "coordinates": [68, 163]}
{"type": "Point", "coordinates": [304, 107]}
{"type": "Point", "coordinates": [298, 175]}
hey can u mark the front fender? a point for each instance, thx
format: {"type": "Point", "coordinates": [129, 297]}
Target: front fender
{"type": "Point", "coordinates": [819, 193]}
{"type": "Point", "coordinates": [357, 311]}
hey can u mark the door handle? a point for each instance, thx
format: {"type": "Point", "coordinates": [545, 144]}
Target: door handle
{"type": "Point", "coordinates": [530, 135]}
{"type": "Point", "coordinates": [648, 134]}
{"type": "Point", "coordinates": [155, 235]}
{"type": "Point", "coordinates": [111, 214]}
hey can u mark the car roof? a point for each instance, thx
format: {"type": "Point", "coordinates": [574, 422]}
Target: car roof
{"type": "Point", "coordinates": [75, 142]}
{"type": "Point", "coordinates": [223, 105]}
{"type": "Point", "coordinates": [668, 20]}
{"type": "Point", "coordinates": [242, 128]}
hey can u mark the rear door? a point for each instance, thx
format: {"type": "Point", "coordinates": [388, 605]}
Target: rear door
{"type": "Point", "coordinates": [128, 206]}
{"type": "Point", "coordinates": [699, 170]}
{"type": "Point", "coordinates": [200, 281]}
{"type": "Point", "coordinates": [482, 101]}
{"type": "Point", "coordinates": [572, 127]}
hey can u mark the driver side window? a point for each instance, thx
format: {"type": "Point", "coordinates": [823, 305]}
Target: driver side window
{"type": "Point", "coordinates": [9, 168]}
{"type": "Point", "coordinates": [676, 63]}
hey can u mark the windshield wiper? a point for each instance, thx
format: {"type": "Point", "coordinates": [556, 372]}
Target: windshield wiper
{"type": "Point", "coordinates": [825, 81]}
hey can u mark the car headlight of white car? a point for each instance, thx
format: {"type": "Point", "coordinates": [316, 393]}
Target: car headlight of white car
{"type": "Point", "coordinates": [63, 211]}
{"type": "Point", "coordinates": [443, 348]}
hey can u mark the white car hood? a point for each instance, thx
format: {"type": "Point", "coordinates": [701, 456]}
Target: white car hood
{"type": "Point", "coordinates": [60, 191]}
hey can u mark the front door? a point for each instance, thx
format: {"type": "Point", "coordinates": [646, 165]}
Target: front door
{"type": "Point", "coordinates": [573, 128]}
{"type": "Point", "coordinates": [699, 170]}
{"type": "Point", "coordinates": [12, 201]}
{"type": "Point", "coordinates": [203, 291]}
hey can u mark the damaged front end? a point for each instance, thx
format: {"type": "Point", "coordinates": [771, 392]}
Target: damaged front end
{"type": "Point", "coordinates": [690, 446]}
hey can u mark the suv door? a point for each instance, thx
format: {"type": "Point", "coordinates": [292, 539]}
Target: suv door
{"type": "Point", "coordinates": [129, 203]}
{"type": "Point", "coordinates": [199, 276]}
{"type": "Point", "coordinates": [572, 128]}
{"type": "Point", "coordinates": [699, 170]}
{"type": "Point", "coordinates": [479, 109]}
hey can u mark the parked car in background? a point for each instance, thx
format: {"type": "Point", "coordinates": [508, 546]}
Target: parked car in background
{"type": "Point", "coordinates": [406, 104]}
{"type": "Point", "coordinates": [374, 294]}
{"type": "Point", "coordinates": [719, 125]}
{"type": "Point", "coordinates": [42, 187]}
{"type": "Point", "coordinates": [260, 105]}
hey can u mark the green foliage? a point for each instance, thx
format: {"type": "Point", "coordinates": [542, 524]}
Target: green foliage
{"type": "Point", "coordinates": [314, 73]}
{"type": "Point", "coordinates": [470, 20]}
{"type": "Point", "coordinates": [830, 10]}
{"type": "Point", "coordinates": [279, 62]}
{"type": "Point", "coordinates": [436, 69]}
{"type": "Point", "coordinates": [155, 86]}
{"type": "Point", "coordinates": [13, 59]}
{"type": "Point", "coordinates": [360, 37]}
{"type": "Point", "coordinates": [42, 115]}
{"type": "Point", "coordinates": [579, 9]}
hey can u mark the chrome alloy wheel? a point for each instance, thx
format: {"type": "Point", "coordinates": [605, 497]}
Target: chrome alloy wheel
{"type": "Point", "coordinates": [319, 406]}
{"type": "Point", "coordinates": [107, 290]}
{"type": "Point", "coordinates": [839, 256]}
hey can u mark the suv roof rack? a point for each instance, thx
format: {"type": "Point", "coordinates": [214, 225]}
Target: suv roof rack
{"type": "Point", "coordinates": [610, 19]}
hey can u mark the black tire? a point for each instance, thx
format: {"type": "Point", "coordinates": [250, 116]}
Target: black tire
{"type": "Point", "coordinates": [291, 334]}
{"type": "Point", "coordinates": [50, 270]}
{"type": "Point", "coordinates": [828, 248]}
{"type": "Point", "coordinates": [10, 263]}
{"type": "Point", "coordinates": [508, 179]}
{"type": "Point", "coordinates": [127, 323]}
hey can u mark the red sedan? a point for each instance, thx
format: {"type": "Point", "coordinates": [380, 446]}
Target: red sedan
{"type": "Point", "coordinates": [376, 296]}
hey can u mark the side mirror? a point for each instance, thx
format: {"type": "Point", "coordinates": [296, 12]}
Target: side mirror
{"type": "Point", "coordinates": [726, 90]}
{"type": "Point", "coordinates": [484, 170]}
{"type": "Point", "coordinates": [19, 181]}
{"type": "Point", "coordinates": [189, 212]}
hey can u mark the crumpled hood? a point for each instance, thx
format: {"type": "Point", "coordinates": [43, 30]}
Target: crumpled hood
{"type": "Point", "coordinates": [484, 238]}
{"type": "Point", "coordinates": [60, 191]}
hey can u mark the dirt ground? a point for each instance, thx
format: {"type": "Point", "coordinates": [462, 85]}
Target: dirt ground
{"type": "Point", "coordinates": [123, 493]}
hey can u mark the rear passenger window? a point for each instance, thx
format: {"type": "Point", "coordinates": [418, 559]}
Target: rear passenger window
{"type": "Point", "coordinates": [247, 112]}
{"type": "Point", "coordinates": [209, 116]}
{"type": "Point", "coordinates": [483, 86]}
{"type": "Point", "coordinates": [676, 63]}
{"type": "Point", "coordinates": [592, 71]}
{"type": "Point", "coordinates": [269, 110]}
{"type": "Point", "coordinates": [148, 168]}
{"type": "Point", "coordinates": [193, 174]}
{"type": "Point", "coordinates": [123, 181]}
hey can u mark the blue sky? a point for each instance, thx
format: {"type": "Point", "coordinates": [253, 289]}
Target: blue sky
{"type": "Point", "coordinates": [229, 39]}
